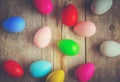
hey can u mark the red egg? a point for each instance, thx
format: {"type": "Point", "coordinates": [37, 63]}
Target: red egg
{"type": "Point", "coordinates": [13, 69]}
{"type": "Point", "coordinates": [70, 15]}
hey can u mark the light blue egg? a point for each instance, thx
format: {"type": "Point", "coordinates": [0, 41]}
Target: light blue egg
{"type": "Point", "coordinates": [40, 69]}
{"type": "Point", "coordinates": [99, 7]}
{"type": "Point", "coordinates": [14, 24]}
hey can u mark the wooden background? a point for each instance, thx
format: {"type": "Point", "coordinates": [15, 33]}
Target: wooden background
{"type": "Point", "coordinates": [20, 46]}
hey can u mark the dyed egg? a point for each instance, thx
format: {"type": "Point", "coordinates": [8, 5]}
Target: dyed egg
{"type": "Point", "coordinates": [40, 69]}
{"type": "Point", "coordinates": [14, 24]}
{"type": "Point", "coordinates": [85, 72]}
{"type": "Point", "coordinates": [13, 69]}
{"type": "Point", "coordinates": [43, 6]}
{"type": "Point", "coordinates": [68, 47]}
{"type": "Point", "coordinates": [85, 28]}
{"type": "Point", "coordinates": [110, 48]}
{"type": "Point", "coordinates": [42, 37]}
{"type": "Point", "coordinates": [56, 76]}
{"type": "Point", "coordinates": [70, 15]}
{"type": "Point", "coordinates": [101, 6]}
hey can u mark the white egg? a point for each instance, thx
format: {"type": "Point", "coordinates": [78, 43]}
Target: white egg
{"type": "Point", "coordinates": [110, 48]}
{"type": "Point", "coordinates": [101, 6]}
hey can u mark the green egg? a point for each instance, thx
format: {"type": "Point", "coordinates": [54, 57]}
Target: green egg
{"type": "Point", "coordinates": [68, 47]}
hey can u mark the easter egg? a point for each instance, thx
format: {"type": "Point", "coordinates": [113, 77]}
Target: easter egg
{"type": "Point", "coordinates": [42, 37]}
{"type": "Point", "coordinates": [14, 24]}
{"type": "Point", "coordinates": [43, 6]}
{"type": "Point", "coordinates": [85, 28]}
{"type": "Point", "coordinates": [56, 76]}
{"type": "Point", "coordinates": [13, 69]}
{"type": "Point", "coordinates": [70, 15]}
{"type": "Point", "coordinates": [101, 6]}
{"type": "Point", "coordinates": [68, 47]}
{"type": "Point", "coordinates": [110, 48]}
{"type": "Point", "coordinates": [85, 72]}
{"type": "Point", "coordinates": [40, 69]}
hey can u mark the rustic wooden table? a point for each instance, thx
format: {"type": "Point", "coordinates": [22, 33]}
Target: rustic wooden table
{"type": "Point", "coordinates": [20, 46]}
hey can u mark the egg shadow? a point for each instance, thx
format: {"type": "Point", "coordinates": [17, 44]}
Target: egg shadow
{"type": "Point", "coordinates": [71, 74]}
{"type": "Point", "coordinates": [86, 6]}
{"type": "Point", "coordinates": [30, 37]}
{"type": "Point", "coordinates": [96, 47]}
{"type": "Point", "coordinates": [57, 12]}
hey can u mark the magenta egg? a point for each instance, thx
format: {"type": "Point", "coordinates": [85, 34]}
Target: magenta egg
{"type": "Point", "coordinates": [85, 28]}
{"type": "Point", "coordinates": [43, 6]}
{"type": "Point", "coordinates": [85, 72]}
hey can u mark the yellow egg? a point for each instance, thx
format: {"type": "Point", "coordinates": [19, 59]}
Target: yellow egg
{"type": "Point", "coordinates": [56, 76]}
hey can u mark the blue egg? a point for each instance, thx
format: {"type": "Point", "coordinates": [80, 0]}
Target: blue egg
{"type": "Point", "coordinates": [14, 24]}
{"type": "Point", "coordinates": [40, 69]}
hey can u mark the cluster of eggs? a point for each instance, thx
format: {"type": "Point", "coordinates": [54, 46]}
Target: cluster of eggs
{"type": "Point", "coordinates": [70, 18]}
{"type": "Point", "coordinates": [42, 68]}
{"type": "Point", "coordinates": [68, 47]}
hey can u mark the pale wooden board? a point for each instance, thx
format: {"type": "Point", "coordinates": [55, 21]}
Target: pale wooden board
{"type": "Point", "coordinates": [108, 28]}
{"type": "Point", "coordinates": [71, 63]}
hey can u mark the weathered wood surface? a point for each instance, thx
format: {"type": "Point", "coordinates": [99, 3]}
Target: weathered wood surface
{"type": "Point", "coordinates": [20, 46]}
{"type": "Point", "coordinates": [108, 28]}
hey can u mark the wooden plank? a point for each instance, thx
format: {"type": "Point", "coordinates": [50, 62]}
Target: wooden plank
{"type": "Point", "coordinates": [107, 69]}
{"type": "Point", "coordinates": [57, 34]}
{"type": "Point", "coordinates": [71, 63]}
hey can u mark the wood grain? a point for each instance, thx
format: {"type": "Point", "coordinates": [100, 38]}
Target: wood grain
{"type": "Point", "coordinates": [20, 46]}
{"type": "Point", "coordinates": [107, 69]}
{"type": "Point", "coordinates": [72, 62]}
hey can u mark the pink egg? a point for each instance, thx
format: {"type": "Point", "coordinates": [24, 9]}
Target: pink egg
{"type": "Point", "coordinates": [85, 28]}
{"type": "Point", "coordinates": [43, 6]}
{"type": "Point", "coordinates": [85, 72]}
{"type": "Point", "coordinates": [42, 37]}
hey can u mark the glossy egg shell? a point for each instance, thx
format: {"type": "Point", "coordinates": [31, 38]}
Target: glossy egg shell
{"type": "Point", "coordinates": [70, 15]}
{"type": "Point", "coordinates": [40, 69]}
{"type": "Point", "coordinates": [42, 37]}
{"type": "Point", "coordinates": [13, 69]}
{"type": "Point", "coordinates": [68, 47]}
{"type": "Point", "coordinates": [43, 6]}
{"type": "Point", "coordinates": [85, 72]}
{"type": "Point", "coordinates": [56, 76]}
{"type": "Point", "coordinates": [14, 24]}
{"type": "Point", "coordinates": [85, 28]}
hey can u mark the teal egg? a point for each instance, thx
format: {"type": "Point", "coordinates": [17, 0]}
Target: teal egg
{"type": "Point", "coordinates": [40, 69]}
{"type": "Point", "coordinates": [68, 47]}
